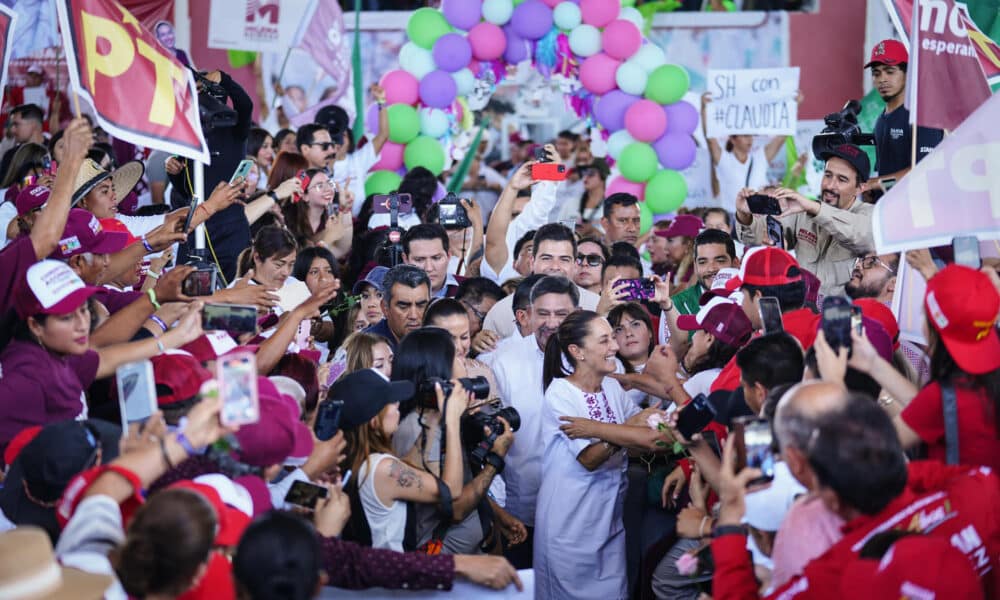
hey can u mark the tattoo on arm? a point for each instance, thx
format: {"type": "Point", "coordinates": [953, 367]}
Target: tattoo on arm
{"type": "Point", "coordinates": [404, 476]}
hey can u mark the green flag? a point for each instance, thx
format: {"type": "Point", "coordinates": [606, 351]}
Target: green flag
{"type": "Point", "coordinates": [359, 87]}
{"type": "Point", "coordinates": [455, 184]}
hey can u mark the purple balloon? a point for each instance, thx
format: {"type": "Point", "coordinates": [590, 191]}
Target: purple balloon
{"type": "Point", "coordinates": [518, 48]}
{"type": "Point", "coordinates": [532, 19]}
{"type": "Point", "coordinates": [682, 117]}
{"type": "Point", "coordinates": [438, 89]}
{"type": "Point", "coordinates": [452, 52]}
{"type": "Point", "coordinates": [463, 14]}
{"type": "Point", "coordinates": [371, 119]}
{"type": "Point", "coordinates": [610, 109]}
{"type": "Point", "coordinates": [675, 150]}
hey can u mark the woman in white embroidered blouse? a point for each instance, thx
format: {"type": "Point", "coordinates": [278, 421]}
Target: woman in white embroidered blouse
{"type": "Point", "coordinates": [579, 547]}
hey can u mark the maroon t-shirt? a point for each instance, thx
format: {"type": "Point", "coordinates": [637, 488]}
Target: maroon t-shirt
{"type": "Point", "coordinates": [977, 434]}
{"type": "Point", "coordinates": [38, 387]}
{"type": "Point", "coordinates": [15, 260]}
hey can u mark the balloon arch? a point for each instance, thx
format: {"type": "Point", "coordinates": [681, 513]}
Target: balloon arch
{"type": "Point", "coordinates": [625, 86]}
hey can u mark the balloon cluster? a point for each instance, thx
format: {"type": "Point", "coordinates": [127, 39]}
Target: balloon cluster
{"type": "Point", "coordinates": [633, 94]}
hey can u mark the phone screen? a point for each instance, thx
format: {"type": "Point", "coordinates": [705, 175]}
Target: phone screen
{"type": "Point", "coordinates": [328, 419]}
{"type": "Point", "coordinates": [837, 322]}
{"type": "Point", "coordinates": [136, 392]}
{"type": "Point", "coordinates": [237, 376]}
{"type": "Point", "coordinates": [758, 442]}
{"type": "Point", "coordinates": [966, 250]}
{"type": "Point", "coordinates": [233, 318]}
{"type": "Point", "coordinates": [380, 204]}
{"type": "Point", "coordinates": [694, 416]}
{"type": "Point", "coordinates": [305, 494]}
{"type": "Point", "coordinates": [190, 215]}
{"type": "Point", "coordinates": [201, 282]}
{"type": "Point", "coordinates": [639, 289]}
{"type": "Point", "coordinates": [857, 320]}
{"type": "Point", "coordinates": [770, 315]}
{"type": "Point", "coordinates": [775, 233]}
{"type": "Point", "coordinates": [762, 204]}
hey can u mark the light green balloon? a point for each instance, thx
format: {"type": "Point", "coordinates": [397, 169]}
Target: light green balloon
{"type": "Point", "coordinates": [433, 122]}
{"type": "Point", "coordinates": [630, 13]}
{"type": "Point", "coordinates": [618, 141]}
{"type": "Point", "coordinates": [645, 219]}
{"type": "Point", "coordinates": [650, 57]}
{"type": "Point", "coordinates": [631, 78]}
{"type": "Point", "coordinates": [498, 12]}
{"type": "Point", "coordinates": [585, 40]}
{"type": "Point", "coordinates": [567, 15]}
{"type": "Point", "coordinates": [666, 191]}
{"type": "Point", "coordinates": [667, 84]}
{"type": "Point", "coordinates": [382, 182]}
{"type": "Point", "coordinates": [465, 81]}
{"type": "Point", "coordinates": [415, 60]}
{"type": "Point", "coordinates": [424, 152]}
{"type": "Point", "coordinates": [638, 162]}
{"type": "Point", "coordinates": [425, 26]}
{"type": "Point", "coordinates": [404, 123]}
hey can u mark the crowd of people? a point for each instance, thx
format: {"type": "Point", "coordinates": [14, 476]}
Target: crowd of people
{"type": "Point", "coordinates": [363, 392]}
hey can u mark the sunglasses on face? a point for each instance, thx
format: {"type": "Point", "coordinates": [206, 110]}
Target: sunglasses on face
{"type": "Point", "coordinates": [591, 260]}
{"type": "Point", "coordinates": [323, 145]}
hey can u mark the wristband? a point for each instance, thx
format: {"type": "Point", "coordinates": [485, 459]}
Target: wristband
{"type": "Point", "coordinates": [160, 347]}
{"type": "Point", "coordinates": [721, 530]}
{"type": "Point", "coordinates": [152, 298]}
{"type": "Point", "coordinates": [272, 196]}
{"type": "Point", "coordinates": [153, 275]}
{"type": "Point", "coordinates": [145, 244]}
{"type": "Point", "coordinates": [159, 322]}
{"type": "Point", "coordinates": [496, 461]}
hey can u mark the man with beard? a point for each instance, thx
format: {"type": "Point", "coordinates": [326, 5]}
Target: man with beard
{"type": "Point", "coordinates": [518, 370]}
{"type": "Point", "coordinates": [828, 235]}
{"type": "Point", "coordinates": [893, 132]}
{"type": "Point", "coordinates": [317, 146]}
{"type": "Point", "coordinates": [873, 277]}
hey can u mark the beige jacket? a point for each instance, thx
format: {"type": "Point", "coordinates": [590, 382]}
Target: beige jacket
{"type": "Point", "coordinates": [826, 245]}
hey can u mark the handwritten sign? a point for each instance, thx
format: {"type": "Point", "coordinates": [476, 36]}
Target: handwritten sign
{"type": "Point", "coordinates": [752, 102]}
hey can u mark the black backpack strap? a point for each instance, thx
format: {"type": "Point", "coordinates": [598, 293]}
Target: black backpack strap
{"type": "Point", "coordinates": [357, 529]}
{"type": "Point", "coordinates": [949, 405]}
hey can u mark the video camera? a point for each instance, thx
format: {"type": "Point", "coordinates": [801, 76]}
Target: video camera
{"type": "Point", "coordinates": [212, 107]}
{"type": "Point", "coordinates": [841, 128]}
{"type": "Point", "coordinates": [391, 251]}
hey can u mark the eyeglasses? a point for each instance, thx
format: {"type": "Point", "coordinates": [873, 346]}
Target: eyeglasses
{"type": "Point", "coordinates": [475, 311]}
{"type": "Point", "coordinates": [323, 145]}
{"type": "Point", "coordinates": [322, 185]}
{"type": "Point", "coordinates": [869, 262]}
{"type": "Point", "coordinates": [591, 260]}
{"type": "Point", "coordinates": [588, 172]}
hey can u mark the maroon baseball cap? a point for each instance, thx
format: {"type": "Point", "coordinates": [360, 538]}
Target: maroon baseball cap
{"type": "Point", "coordinates": [278, 435]}
{"type": "Point", "coordinates": [682, 226]}
{"type": "Point", "coordinates": [766, 266]}
{"type": "Point", "coordinates": [84, 233]}
{"type": "Point", "coordinates": [889, 52]}
{"type": "Point", "coordinates": [178, 377]}
{"type": "Point", "coordinates": [854, 155]}
{"type": "Point", "coordinates": [50, 287]}
{"type": "Point", "coordinates": [722, 318]}
{"type": "Point", "coordinates": [30, 198]}
{"type": "Point", "coordinates": [968, 329]}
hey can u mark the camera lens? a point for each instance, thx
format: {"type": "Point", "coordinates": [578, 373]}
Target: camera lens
{"type": "Point", "coordinates": [511, 415]}
{"type": "Point", "coordinates": [478, 386]}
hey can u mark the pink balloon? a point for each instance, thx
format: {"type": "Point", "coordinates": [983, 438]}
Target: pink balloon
{"type": "Point", "coordinates": [645, 120]}
{"type": "Point", "coordinates": [621, 39]}
{"type": "Point", "coordinates": [400, 87]}
{"type": "Point", "coordinates": [599, 13]}
{"type": "Point", "coordinates": [488, 41]}
{"type": "Point", "coordinates": [621, 185]}
{"type": "Point", "coordinates": [551, 3]}
{"type": "Point", "coordinates": [391, 157]}
{"type": "Point", "coordinates": [597, 74]}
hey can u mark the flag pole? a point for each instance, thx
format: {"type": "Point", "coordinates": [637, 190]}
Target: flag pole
{"type": "Point", "coordinates": [281, 74]}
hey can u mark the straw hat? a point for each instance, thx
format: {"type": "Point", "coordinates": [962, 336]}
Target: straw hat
{"type": "Point", "coordinates": [123, 179]}
{"type": "Point", "coordinates": [29, 571]}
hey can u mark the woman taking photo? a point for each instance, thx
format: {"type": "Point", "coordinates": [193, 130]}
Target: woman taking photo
{"type": "Point", "coordinates": [633, 331]}
{"type": "Point", "coordinates": [261, 150]}
{"type": "Point", "coordinates": [586, 424]}
{"type": "Point", "coordinates": [318, 268]}
{"type": "Point", "coordinates": [49, 363]}
{"type": "Point", "coordinates": [595, 178]}
{"type": "Point", "coordinates": [317, 217]}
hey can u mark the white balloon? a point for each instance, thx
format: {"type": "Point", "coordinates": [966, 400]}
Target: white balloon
{"type": "Point", "coordinates": [617, 142]}
{"type": "Point", "coordinates": [649, 57]}
{"type": "Point", "coordinates": [631, 13]}
{"type": "Point", "coordinates": [585, 40]}
{"type": "Point", "coordinates": [567, 16]}
{"type": "Point", "coordinates": [416, 60]}
{"type": "Point", "coordinates": [465, 81]}
{"type": "Point", "coordinates": [433, 122]}
{"type": "Point", "coordinates": [631, 78]}
{"type": "Point", "coordinates": [497, 12]}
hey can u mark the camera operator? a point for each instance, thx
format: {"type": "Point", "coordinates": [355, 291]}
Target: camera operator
{"type": "Point", "coordinates": [893, 131]}
{"type": "Point", "coordinates": [228, 230]}
{"type": "Point", "coordinates": [828, 235]}
{"type": "Point", "coordinates": [428, 359]}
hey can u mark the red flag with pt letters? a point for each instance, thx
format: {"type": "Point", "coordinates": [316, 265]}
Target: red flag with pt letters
{"type": "Point", "coordinates": [139, 90]}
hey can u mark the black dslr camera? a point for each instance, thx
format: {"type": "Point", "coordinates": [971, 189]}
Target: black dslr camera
{"type": "Point", "coordinates": [841, 128]}
{"type": "Point", "coordinates": [474, 437]}
{"type": "Point", "coordinates": [212, 107]}
{"type": "Point", "coordinates": [427, 397]}
{"type": "Point", "coordinates": [451, 213]}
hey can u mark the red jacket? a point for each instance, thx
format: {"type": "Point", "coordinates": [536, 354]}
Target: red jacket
{"type": "Point", "coordinates": [959, 504]}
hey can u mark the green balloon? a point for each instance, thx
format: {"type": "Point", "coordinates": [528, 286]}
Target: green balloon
{"type": "Point", "coordinates": [425, 26]}
{"type": "Point", "coordinates": [382, 182]}
{"type": "Point", "coordinates": [666, 191]}
{"type": "Point", "coordinates": [638, 162]}
{"type": "Point", "coordinates": [645, 220]}
{"type": "Point", "coordinates": [667, 84]}
{"type": "Point", "coordinates": [425, 152]}
{"type": "Point", "coordinates": [404, 123]}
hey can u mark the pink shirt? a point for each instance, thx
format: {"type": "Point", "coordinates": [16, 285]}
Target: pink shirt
{"type": "Point", "coordinates": [809, 530]}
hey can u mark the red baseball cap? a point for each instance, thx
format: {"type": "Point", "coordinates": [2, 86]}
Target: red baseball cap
{"type": "Point", "coordinates": [22, 439]}
{"type": "Point", "coordinates": [30, 198]}
{"type": "Point", "coordinates": [916, 566]}
{"type": "Point", "coordinates": [50, 287]}
{"type": "Point", "coordinates": [84, 233]}
{"type": "Point", "coordinates": [231, 521]}
{"type": "Point", "coordinates": [722, 318]}
{"type": "Point", "coordinates": [180, 373]}
{"type": "Point", "coordinates": [968, 329]}
{"type": "Point", "coordinates": [766, 266]}
{"type": "Point", "coordinates": [682, 226]}
{"type": "Point", "coordinates": [889, 52]}
{"type": "Point", "coordinates": [877, 311]}
{"type": "Point", "coordinates": [116, 226]}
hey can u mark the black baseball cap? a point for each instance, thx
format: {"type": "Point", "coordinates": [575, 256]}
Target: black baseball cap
{"type": "Point", "coordinates": [46, 464]}
{"type": "Point", "coordinates": [365, 393]}
{"type": "Point", "coordinates": [852, 154]}
{"type": "Point", "coordinates": [335, 119]}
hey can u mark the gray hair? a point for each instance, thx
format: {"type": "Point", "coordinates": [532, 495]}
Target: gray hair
{"type": "Point", "coordinates": [408, 275]}
{"type": "Point", "coordinates": [555, 284]}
